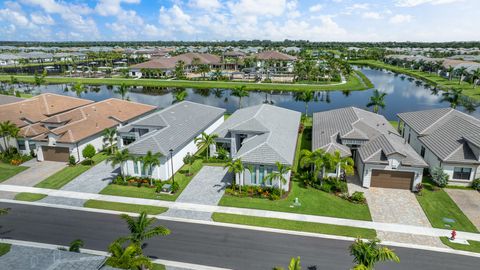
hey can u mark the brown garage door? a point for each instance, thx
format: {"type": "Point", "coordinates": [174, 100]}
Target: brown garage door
{"type": "Point", "coordinates": [392, 179]}
{"type": "Point", "coordinates": [55, 153]}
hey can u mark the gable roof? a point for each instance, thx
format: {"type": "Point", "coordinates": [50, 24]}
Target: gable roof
{"type": "Point", "coordinates": [275, 132]}
{"type": "Point", "coordinates": [177, 125]}
{"type": "Point", "coordinates": [274, 55]}
{"type": "Point", "coordinates": [83, 122]}
{"type": "Point", "coordinates": [446, 132]}
{"type": "Point", "coordinates": [187, 58]}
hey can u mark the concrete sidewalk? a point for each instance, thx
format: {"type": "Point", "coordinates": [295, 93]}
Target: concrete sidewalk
{"type": "Point", "coordinates": [389, 227]}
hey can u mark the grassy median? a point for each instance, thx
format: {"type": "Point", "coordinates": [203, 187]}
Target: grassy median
{"type": "Point", "coordinates": [29, 197]}
{"type": "Point", "coordinates": [125, 207]}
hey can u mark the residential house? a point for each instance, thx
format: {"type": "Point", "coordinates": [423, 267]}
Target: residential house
{"type": "Point", "coordinates": [67, 134]}
{"type": "Point", "coordinates": [445, 138]}
{"type": "Point", "coordinates": [27, 115]}
{"type": "Point", "coordinates": [260, 136]}
{"type": "Point", "coordinates": [280, 62]}
{"type": "Point", "coordinates": [382, 157]}
{"type": "Point", "coordinates": [170, 132]}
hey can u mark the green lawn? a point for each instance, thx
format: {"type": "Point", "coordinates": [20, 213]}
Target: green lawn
{"type": "Point", "coordinates": [433, 79]}
{"type": "Point", "coordinates": [4, 248]}
{"type": "Point", "coordinates": [473, 247]}
{"type": "Point", "coordinates": [149, 193]}
{"type": "Point", "coordinates": [438, 205]}
{"type": "Point", "coordinates": [354, 82]}
{"type": "Point", "coordinates": [29, 197]}
{"type": "Point", "coordinates": [125, 207]}
{"type": "Point", "coordinates": [394, 124]}
{"type": "Point", "coordinates": [7, 171]}
{"type": "Point", "coordinates": [61, 178]}
{"type": "Point", "coordinates": [365, 80]}
{"type": "Point", "coordinates": [295, 225]}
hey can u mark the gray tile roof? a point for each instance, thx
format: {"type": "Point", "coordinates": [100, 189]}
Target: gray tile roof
{"type": "Point", "coordinates": [277, 130]}
{"type": "Point", "coordinates": [178, 125]}
{"type": "Point", "coordinates": [445, 132]}
{"type": "Point", "coordinates": [4, 99]}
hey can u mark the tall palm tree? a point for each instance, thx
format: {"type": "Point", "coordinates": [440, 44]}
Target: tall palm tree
{"type": "Point", "coordinates": [141, 228]}
{"type": "Point", "coordinates": [367, 253]}
{"type": "Point", "coordinates": [109, 136]}
{"type": "Point", "coordinates": [240, 92]}
{"type": "Point", "coordinates": [180, 96]}
{"type": "Point", "coordinates": [461, 72]}
{"type": "Point", "coordinates": [377, 101]}
{"type": "Point", "coordinates": [342, 164]}
{"type": "Point", "coordinates": [453, 96]}
{"type": "Point", "coordinates": [119, 158]}
{"type": "Point", "coordinates": [306, 97]}
{"type": "Point", "coordinates": [450, 71]}
{"type": "Point", "coordinates": [236, 167]}
{"type": "Point", "coordinates": [206, 140]}
{"type": "Point", "coordinates": [79, 89]}
{"type": "Point", "coordinates": [475, 77]}
{"type": "Point", "coordinates": [149, 161]}
{"type": "Point", "coordinates": [279, 175]}
{"type": "Point", "coordinates": [129, 257]}
{"type": "Point", "coordinates": [318, 160]}
{"type": "Point", "coordinates": [8, 130]}
{"type": "Point", "coordinates": [122, 90]}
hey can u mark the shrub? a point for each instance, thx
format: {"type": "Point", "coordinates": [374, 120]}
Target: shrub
{"type": "Point", "coordinates": [71, 160]}
{"type": "Point", "coordinates": [222, 153]}
{"type": "Point", "coordinates": [88, 152]}
{"type": "Point", "coordinates": [326, 187]}
{"type": "Point", "coordinates": [439, 177]}
{"type": "Point", "coordinates": [476, 184]}
{"type": "Point", "coordinates": [301, 128]}
{"type": "Point", "coordinates": [175, 187]}
{"type": "Point", "coordinates": [358, 197]}
{"type": "Point", "coordinates": [419, 187]}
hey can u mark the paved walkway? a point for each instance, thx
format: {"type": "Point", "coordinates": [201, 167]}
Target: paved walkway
{"type": "Point", "coordinates": [91, 181]}
{"type": "Point", "coordinates": [390, 227]}
{"type": "Point", "coordinates": [206, 188]}
{"type": "Point", "coordinates": [468, 201]}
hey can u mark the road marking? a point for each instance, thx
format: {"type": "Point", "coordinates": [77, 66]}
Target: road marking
{"type": "Point", "coordinates": [246, 227]}
{"type": "Point", "coordinates": [106, 254]}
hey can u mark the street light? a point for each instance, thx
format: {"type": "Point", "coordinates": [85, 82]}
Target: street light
{"type": "Point", "coordinates": [171, 160]}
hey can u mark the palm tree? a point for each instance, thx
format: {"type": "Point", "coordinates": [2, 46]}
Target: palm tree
{"type": "Point", "coordinates": [8, 130]}
{"type": "Point", "coordinates": [295, 264]}
{"type": "Point", "coordinates": [453, 97]}
{"type": "Point", "coordinates": [475, 77]}
{"type": "Point", "coordinates": [236, 167]}
{"type": "Point", "coordinates": [450, 70]}
{"type": "Point", "coordinates": [79, 89]}
{"type": "Point", "coordinates": [122, 90]}
{"type": "Point", "coordinates": [240, 93]}
{"type": "Point", "coordinates": [317, 160]}
{"type": "Point", "coordinates": [119, 158]}
{"type": "Point", "coordinates": [343, 164]}
{"type": "Point", "coordinates": [377, 101]}
{"type": "Point", "coordinates": [367, 254]}
{"type": "Point", "coordinates": [279, 174]}
{"type": "Point", "coordinates": [180, 96]}
{"type": "Point", "coordinates": [141, 228]}
{"type": "Point", "coordinates": [461, 71]}
{"type": "Point", "coordinates": [206, 140]}
{"type": "Point", "coordinates": [149, 161]}
{"type": "Point", "coordinates": [75, 245]}
{"type": "Point", "coordinates": [109, 135]}
{"type": "Point", "coordinates": [130, 257]}
{"type": "Point", "coordinates": [306, 97]}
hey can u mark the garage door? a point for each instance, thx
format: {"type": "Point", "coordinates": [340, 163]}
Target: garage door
{"type": "Point", "coordinates": [55, 153]}
{"type": "Point", "coordinates": [392, 179]}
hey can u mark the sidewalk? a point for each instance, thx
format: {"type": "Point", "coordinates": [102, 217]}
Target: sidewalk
{"type": "Point", "coordinates": [390, 227]}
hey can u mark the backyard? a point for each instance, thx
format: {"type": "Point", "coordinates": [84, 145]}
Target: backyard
{"type": "Point", "coordinates": [7, 171]}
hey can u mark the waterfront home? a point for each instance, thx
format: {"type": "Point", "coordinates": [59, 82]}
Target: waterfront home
{"type": "Point", "coordinates": [170, 132]}
{"type": "Point", "coordinates": [68, 133]}
{"type": "Point", "coordinates": [260, 136]}
{"type": "Point", "coordinates": [278, 61]}
{"type": "Point", "coordinates": [445, 138]}
{"type": "Point", "coordinates": [382, 157]}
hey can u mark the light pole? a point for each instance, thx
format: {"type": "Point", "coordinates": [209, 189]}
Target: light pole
{"type": "Point", "coordinates": [171, 160]}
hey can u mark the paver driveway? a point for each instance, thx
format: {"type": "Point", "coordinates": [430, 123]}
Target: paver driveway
{"type": "Point", "coordinates": [468, 201]}
{"type": "Point", "coordinates": [207, 188]}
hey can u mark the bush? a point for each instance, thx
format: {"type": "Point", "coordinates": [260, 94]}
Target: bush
{"type": "Point", "coordinates": [89, 151]}
{"type": "Point", "coordinates": [476, 184]}
{"type": "Point", "coordinates": [326, 187]}
{"type": "Point", "coordinates": [71, 160]}
{"type": "Point", "coordinates": [439, 177]}
{"type": "Point", "coordinates": [358, 197]}
{"type": "Point", "coordinates": [419, 187]}
{"type": "Point", "coordinates": [175, 187]}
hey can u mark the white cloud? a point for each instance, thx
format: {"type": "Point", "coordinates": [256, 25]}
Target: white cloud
{"type": "Point", "coordinates": [359, 6]}
{"type": "Point", "coordinates": [205, 4]}
{"type": "Point", "coordinates": [175, 19]}
{"type": "Point", "coordinates": [413, 3]}
{"type": "Point", "coordinates": [372, 15]}
{"type": "Point", "coordinates": [400, 18]}
{"type": "Point", "coordinates": [255, 7]}
{"type": "Point", "coordinates": [15, 17]}
{"type": "Point", "coordinates": [112, 7]}
{"type": "Point", "coordinates": [43, 19]}
{"type": "Point", "coordinates": [315, 8]}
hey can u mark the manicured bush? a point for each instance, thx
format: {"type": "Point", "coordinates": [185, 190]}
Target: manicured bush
{"type": "Point", "coordinates": [71, 161]}
{"type": "Point", "coordinates": [88, 152]}
{"type": "Point", "coordinates": [439, 177]}
{"type": "Point", "coordinates": [476, 184]}
{"type": "Point", "coordinates": [271, 193]}
{"type": "Point", "coordinates": [358, 197]}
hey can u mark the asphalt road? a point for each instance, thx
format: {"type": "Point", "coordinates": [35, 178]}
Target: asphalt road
{"type": "Point", "coordinates": [207, 245]}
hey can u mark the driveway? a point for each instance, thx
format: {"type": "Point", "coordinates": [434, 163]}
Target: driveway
{"type": "Point", "coordinates": [91, 181]}
{"type": "Point", "coordinates": [468, 201]}
{"type": "Point", "coordinates": [207, 188]}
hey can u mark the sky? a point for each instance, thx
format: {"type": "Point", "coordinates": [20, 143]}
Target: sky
{"type": "Point", "coordinates": [216, 20]}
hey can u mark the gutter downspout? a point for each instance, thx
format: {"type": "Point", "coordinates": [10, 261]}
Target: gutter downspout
{"type": "Point", "coordinates": [78, 151]}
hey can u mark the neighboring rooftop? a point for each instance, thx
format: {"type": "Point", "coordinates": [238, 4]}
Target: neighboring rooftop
{"type": "Point", "coordinates": [177, 125]}
{"type": "Point", "coordinates": [91, 119]}
{"type": "Point", "coordinates": [276, 128]}
{"type": "Point", "coordinates": [274, 55]}
{"type": "Point", "coordinates": [187, 58]}
{"type": "Point", "coordinates": [4, 99]}
{"type": "Point", "coordinates": [446, 133]}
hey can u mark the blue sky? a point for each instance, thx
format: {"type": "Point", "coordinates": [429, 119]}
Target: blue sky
{"type": "Point", "coordinates": [325, 20]}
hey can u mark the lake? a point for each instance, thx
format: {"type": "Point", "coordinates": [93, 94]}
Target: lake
{"type": "Point", "coordinates": [403, 94]}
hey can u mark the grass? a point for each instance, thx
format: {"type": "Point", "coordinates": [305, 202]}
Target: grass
{"type": "Point", "coordinates": [473, 247]}
{"type": "Point", "coordinates": [354, 82]}
{"type": "Point", "coordinates": [394, 124]}
{"type": "Point", "coordinates": [7, 171]}
{"type": "Point", "coordinates": [4, 248]}
{"type": "Point", "coordinates": [437, 205]}
{"type": "Point", "coordinates": [157, 266]}
{"type": "Point", "coordinates": [433, 79]}
{"type": "Point", "coordinates": [295, 225]}
{"type": "Point", "coordinates": [29, 197]}
{"type": "Point", "coordinates": [149, 193]}
{"type": "Point", "coordinates": [125, 207]}
{"type": "Point", "coordinates": [365, 80]}
{"type": "Point", "coordinates": [61, 178]}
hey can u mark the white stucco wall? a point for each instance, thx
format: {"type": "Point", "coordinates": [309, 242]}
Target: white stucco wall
{"type": "Point", "coordinates": [96, 141]}
{"type": "Point", "coordinates": [448, 168]}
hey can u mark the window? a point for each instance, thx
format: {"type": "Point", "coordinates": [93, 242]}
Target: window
{"type": "Point", "coordinates": [261, 173]}
{"type": "Point", "coordinates": [21, 145]}
{"type": "Point", "coordinates": [422, 152]}
{"type": "Point", "coordinates": [128, 140]}
{"type": "Point", "coordinates": [32, 145]}
{"type": "Point", "coordinates": [408, 138]}
{"type": "Point", "coordinates": [269, 171]}
{"type": "Point", "coordinates": [253, 176]}
{"type": "Point", "coordinates": [142, 169]}
{"type": "Point", "coordinates": [462, 173]}
{"type": "Point", "coordinates": [135, 167]}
